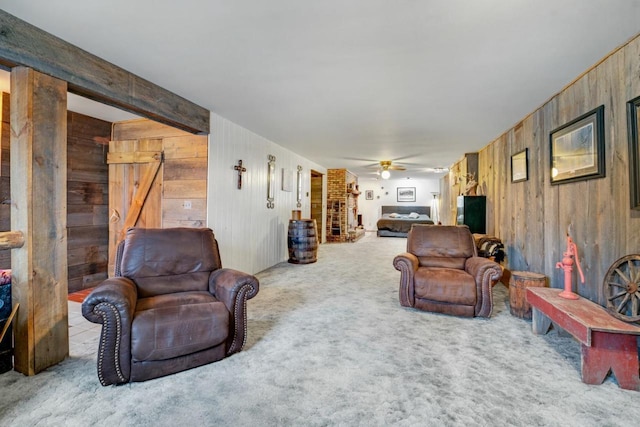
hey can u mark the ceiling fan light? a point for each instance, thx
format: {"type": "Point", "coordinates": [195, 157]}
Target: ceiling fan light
{"type": "Point", "coordinates": [385, 174]}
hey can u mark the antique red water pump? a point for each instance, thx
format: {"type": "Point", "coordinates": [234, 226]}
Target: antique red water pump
{"type": "Point", "coordinates": [567, 265]}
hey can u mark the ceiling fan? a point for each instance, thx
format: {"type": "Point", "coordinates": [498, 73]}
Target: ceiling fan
{"type": "Point", "coordinates": [386, 166]}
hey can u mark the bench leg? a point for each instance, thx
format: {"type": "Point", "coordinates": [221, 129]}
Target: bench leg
{"type": "Point", "coordinates": [615, 352]}
{"type": "Point", "coordinates": [540, 323]}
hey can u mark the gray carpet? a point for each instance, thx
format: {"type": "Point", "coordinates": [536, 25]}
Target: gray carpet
{"type": "Point", "coordinates": [329, 344]}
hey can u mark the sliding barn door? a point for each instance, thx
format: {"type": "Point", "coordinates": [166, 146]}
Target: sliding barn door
{"type": "Point", "coordinates": [135, 188]}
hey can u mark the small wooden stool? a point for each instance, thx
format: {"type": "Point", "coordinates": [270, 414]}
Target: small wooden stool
{"type": "Point", "coordinates": [518, 284]}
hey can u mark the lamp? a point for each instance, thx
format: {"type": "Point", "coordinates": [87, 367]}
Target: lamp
{"type": "Point", "coordinates": [435, 205]}
{"type": "Point", "coordinates": [385, 174]}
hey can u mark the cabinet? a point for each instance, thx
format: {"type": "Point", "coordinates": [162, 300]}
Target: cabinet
{"type": "Point", "coordinates": [472, 211]}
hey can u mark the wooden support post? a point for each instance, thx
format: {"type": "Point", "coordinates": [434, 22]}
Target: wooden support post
{"type": "Point", "coordinates": [39, 210]}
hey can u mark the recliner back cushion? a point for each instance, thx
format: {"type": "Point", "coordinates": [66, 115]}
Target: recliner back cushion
{"type": "Point", "coordinates": [169, 260]}
{"type": "Point", "coordinates": [446, 246]}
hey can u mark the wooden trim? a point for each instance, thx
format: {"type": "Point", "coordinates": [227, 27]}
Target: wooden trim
{"type": "Point", "coordinates": [134, 157]}
{"type": "Point", "coordinates": [141, 195]}
{"type": "Point", "coordinates": [92, 77]}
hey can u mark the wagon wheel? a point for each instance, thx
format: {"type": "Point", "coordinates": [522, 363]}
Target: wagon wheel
{"type": "Point", "coordinates": [622, 288]}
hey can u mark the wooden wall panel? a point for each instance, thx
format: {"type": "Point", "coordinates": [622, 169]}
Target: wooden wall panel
{"type": "Point", "coordinates": [87, 200]}
{"type": "Point", "coordinates": [178, 197]}
{"type": "Point", "coordinates": [251, 236]}
{"type": "Point", "coordinates": [533, 217]}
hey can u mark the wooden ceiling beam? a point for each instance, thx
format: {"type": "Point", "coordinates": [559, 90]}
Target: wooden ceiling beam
{"type": "Point", "coordinates": [87, 75]}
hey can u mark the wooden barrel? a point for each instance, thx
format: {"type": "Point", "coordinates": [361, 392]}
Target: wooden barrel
{"type": "Point", "coordinates": [518, 284]}
{"type": "Point", "coordinates": [302, 241]}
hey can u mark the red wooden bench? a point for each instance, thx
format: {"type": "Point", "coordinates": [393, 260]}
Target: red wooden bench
{"type": "Point", "coordinates": [608, 344]}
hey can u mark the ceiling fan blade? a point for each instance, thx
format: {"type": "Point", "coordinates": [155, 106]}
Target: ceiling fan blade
{"type": "Point", "coordinates": [397, 168]}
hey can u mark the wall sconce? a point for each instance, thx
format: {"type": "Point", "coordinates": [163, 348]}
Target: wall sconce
{"type": "Point", "coordinates": [271, 180]}
{"type": "Point", "coordinates": [299, 191]}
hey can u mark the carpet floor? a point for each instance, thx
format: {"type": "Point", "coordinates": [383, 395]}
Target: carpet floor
{"type": "Point", "coordinates": [328, 344]}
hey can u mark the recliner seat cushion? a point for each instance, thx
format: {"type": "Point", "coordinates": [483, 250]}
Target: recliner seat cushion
{"type": "Point", "coordinates": [167, 331]}
{"type": "Point", "coordinates": [446, 285]}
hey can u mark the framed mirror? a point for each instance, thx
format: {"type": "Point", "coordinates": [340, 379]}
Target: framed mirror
{"type": "Point", "coordinates": [271, 180]}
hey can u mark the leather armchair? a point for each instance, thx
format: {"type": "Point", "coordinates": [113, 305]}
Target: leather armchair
{"type": "Point", "coordinates": [442, 272]}
{"type": "Point", "coordinates": [170, 307]}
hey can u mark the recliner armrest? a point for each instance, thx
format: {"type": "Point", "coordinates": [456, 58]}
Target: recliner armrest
{"type": "Point", "coordinates": [407, 263]}
{"type": "Point", "coordinates": [485, 272]}
{"type": "Point", "coordinates": [113, 305]}
{"type": "Point", "coordinates": [234, 288]}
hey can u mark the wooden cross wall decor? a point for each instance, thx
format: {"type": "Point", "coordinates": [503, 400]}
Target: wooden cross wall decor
{"type": "Point", "coordinates": [240, 169]}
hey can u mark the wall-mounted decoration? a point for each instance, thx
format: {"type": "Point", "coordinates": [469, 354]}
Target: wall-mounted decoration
{"type": "Point", "coordinates": [520, 166]}
{"type": "Point", "coordinates": [406, 194]}
{"type": "Point", "coordinates": [577, 148]}
{"type": "Point", "coordinates": [368, 194]}
{"type": "Point", "coordinates": [271, 180]}
{"type": "Point", "coordinates": [287, 179]}
{"type": "Point", "coordinates": [240, 169]}
{"type": "Point", "coordinates": [633, 125]}
{"type": "Point", "coordinates": [299, 187]}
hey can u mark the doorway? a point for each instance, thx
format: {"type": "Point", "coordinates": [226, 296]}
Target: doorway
{"type": "Point", "coordinates": [317, 190]}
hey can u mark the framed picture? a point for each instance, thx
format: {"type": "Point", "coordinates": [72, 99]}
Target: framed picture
{"type": "Point", "coordinates": [406, 194]}
{"type": "Point", "coordinates": [633, 125]}
{"type": "Point", "coordinates": [520, 166]}
{"type": "Point", "coordinates": [577, 148]}
{"type": "Point", "coordinates": [368, 194]}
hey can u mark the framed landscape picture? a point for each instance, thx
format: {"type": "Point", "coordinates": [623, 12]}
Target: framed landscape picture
{"type": "Point", "coordinates": [406, 194]}
{"type": "Point", "coordinates": [577, 148]}
{"type": "Point", "coordinates": [633, 125]}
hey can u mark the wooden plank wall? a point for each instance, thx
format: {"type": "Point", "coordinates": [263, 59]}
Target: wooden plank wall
{"type": "Point", "coordinates": [533, 217]}
{"type": "Point", "coordinates": [183, 177]}
{"type": "Point", "coordinates": [87, 204]}
{"type": "Point", "coordinates": [87, 200]}
{"type": "Point", "coordinates": [5, 183]}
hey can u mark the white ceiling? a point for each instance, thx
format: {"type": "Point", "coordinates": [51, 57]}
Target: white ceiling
{"type": "Point", "coordinates": [346, 83]}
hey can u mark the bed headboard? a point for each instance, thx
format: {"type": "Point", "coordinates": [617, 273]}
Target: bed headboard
{"type": "Point", "coordinates": [405, 210]}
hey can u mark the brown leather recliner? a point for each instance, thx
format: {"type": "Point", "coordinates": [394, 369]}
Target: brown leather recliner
{"type": "Point", "coordinates": [170, 307]}
{"type": "Point", "coordinates": [442, 272]}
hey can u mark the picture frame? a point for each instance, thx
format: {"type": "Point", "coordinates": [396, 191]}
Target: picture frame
{"type": "Point", "coordinates": [520, 166]}
{"type": "Point", "coordinates": [577, 149]}
{"type": "Point", "coordinates": [633, 126]}
{"type": "Point", "coordinates": [287, 180]}
{"type": "Point", "coordinates": [406, 194]}
{"type": "Point", "coordinates": [368, 194]}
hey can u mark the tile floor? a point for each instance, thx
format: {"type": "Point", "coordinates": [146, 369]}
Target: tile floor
{"type": "Point", "coordinates": [83, 335]}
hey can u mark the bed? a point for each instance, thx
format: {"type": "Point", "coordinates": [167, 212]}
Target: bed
{"type": "Point", "coordinates": [396, 221]}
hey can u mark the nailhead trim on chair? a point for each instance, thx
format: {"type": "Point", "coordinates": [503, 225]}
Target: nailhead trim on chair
{"type": "Point", "coordinates": [240, 297]}
{"type": "Point", "coordinates": [100, 310]}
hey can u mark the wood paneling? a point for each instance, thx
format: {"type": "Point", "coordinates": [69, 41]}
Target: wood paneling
{"type": "Point", "coordinates": [38, 209]}
{"type": "Point", "coordinates": [178, 195]}
{"type": "Point", "coordinates": [87, 200]}
{"type": "Point", "coordinates": [251, 237]}
{"type": "Point", "coordinates": [533, 217]}
{"type": "Point", "coordinates": [24, 44]}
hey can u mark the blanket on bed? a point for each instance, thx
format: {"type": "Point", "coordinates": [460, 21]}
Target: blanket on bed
{"type": "Point", "coordinates": [401, 223]}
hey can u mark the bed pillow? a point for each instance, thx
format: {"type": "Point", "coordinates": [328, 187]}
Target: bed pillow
{"type": "Point", "coordinates": [414, 215]}
{"type": "Point", "coordinates": [394, 215]}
